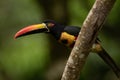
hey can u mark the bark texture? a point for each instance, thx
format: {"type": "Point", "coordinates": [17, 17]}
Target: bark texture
{"type": "Point", "coordinates": [86, 38]}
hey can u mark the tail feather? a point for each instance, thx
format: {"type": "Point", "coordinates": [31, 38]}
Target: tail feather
{"type": "Point", "coordinates": [107, 59]}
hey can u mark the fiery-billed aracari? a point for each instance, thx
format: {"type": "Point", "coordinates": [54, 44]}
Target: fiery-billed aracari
{"type": "Point", "coordinates": [67, 35]}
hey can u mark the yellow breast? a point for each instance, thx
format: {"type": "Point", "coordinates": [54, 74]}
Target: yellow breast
{"type": "Point", "coordinates": [67, 39]}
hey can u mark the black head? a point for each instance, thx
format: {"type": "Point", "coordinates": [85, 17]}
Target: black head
{"type": "Point", "coordinates": [54, 28]}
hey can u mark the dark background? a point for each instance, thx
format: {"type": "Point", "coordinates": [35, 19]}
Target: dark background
{"type": "Point", "coordinates": [39, 56]}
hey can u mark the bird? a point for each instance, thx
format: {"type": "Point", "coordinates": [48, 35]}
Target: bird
{"type": "Point", "coordinates": [67, 35]}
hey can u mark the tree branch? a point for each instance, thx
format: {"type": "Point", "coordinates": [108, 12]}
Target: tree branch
{"type": "Point", "coordinates": [86, 38]}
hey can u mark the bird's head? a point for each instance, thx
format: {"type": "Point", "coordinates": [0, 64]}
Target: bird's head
{"type": "Point", "coordinates": [48, 26]}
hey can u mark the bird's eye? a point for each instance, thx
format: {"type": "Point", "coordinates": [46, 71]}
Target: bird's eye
{"type": "Point", "coordinates": [51, 25]}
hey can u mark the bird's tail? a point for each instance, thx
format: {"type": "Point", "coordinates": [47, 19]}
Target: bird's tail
{"type": "Point", "coordinates": [107, 59]}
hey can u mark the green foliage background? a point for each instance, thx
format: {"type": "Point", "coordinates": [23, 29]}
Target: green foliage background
{"type": "Point", "coordinates": [28, 58]}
